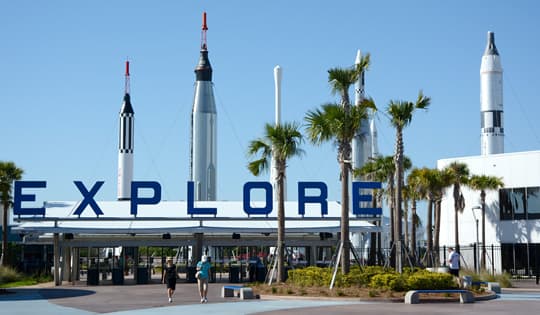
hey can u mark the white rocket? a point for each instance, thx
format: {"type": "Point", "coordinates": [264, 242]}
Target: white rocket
{"type": "Point", "coordinates": [491, 100]}
{"type": "Point", "coordinates": [277, 98]}
{"type": "Point", "coordinates": [363, 141]}
{"type": "Point", "coordinates": [204, 127]}
{"type": "Point", "coordinates": [126, 144]}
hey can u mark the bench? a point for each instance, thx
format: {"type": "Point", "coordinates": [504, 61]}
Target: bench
{"type": "Point", "coordinates": [244, 293]}
{"type": "Point", "coordinates": [413, 296]}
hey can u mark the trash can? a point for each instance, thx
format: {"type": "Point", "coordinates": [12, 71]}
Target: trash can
{"type": "Point", "coordinates": [261, 274]}
{"type": "Point", "coordinates": [117, 276]}
{"type": "Point", "coordinates": [92, 277]}
{"type": "Point", "coordinates": [190, 274]}
{"type": "Point", "coordinates": [234, 274]}
{"type": "Point", "coordinates": [142, 275]}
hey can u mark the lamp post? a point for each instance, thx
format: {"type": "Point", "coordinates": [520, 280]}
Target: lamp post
{"type": "Point", "coordinates": [476, 254]}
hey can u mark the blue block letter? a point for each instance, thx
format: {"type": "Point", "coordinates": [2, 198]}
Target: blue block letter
{"type": "Point", "coordinates": [320, 199]}
{"type": "Point", "coordinates": [191, 210]}
{"type": "Point", "coordinates": [88, 198]}
{"type": "Point", "coordinates": [357, 198]}
{"type": "Point", "coordinates": [268, 196]}
{"type": "Point", "coordinates": [20, 197]}
{"type": "Point", "coordinates": [136, 200]}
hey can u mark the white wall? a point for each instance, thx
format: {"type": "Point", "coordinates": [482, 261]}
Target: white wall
{"type": "Point", "coordinates": [520, 169]}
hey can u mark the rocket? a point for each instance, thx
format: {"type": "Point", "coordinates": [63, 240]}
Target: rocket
{"type": "Point", "coordinates": [491, 100]}
{"type": "Point", "coordinates": [126, 144]}
{"type": "Point", "coordinates": [277, 97]}
{"type": "Point", "coordinates": [204, 127]}
{"type": "Point", "coordinates": [362, 141]}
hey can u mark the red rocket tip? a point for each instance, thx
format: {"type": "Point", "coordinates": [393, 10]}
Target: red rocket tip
{"type": "Point", "coordinates": [204, 26]}
{"type": "Point", "coordinates": [127, 67]}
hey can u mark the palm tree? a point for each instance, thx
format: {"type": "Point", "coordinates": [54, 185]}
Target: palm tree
{"type": "Point", "coordinates": [483, 183]}
{"type": "Point", "coordinates": [280, 142]}
{"type": "Point", "coordinates": [459, 176]}
{"type": "Point", "coordinates": [340, 122]}
{"type": "Point", "coordinates": [401, 114]}
{"type": "Point", "coordinates": [9, 172]}
{"type": "Point", "coordinates": [417, 191]}
{"type": "Point", "coordinates": [382, 169]}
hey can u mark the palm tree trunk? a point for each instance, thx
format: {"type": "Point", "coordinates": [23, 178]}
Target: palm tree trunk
{"type": "Point", "coordinates": [3, 258]}
{"type": "Point", "coordinates": [392, 219]}
{"type": "Point", "coordinates": [398, 198]}
{"type": "Point", "coordinates": [437, 230]}
{"type": "Point", "coordinates": [345, 261]}
{"type": "Point", "coordinates": [456, 210]}
{"type": "Point", "coordinates": [281, 226]}
{"type": "Point", "coordinates": [429, 233]}
{"type": "Point", "coordinates": [373, 239]}
{"type": "Point", "coordinates": [413, 229]}
{"type": "Point", "coordinates": [406, 222]}
{"type": "Point", "coordinates": [483, 259]}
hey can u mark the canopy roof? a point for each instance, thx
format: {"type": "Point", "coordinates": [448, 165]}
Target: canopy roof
{"type": "Point", "coordinates": [172, 217]}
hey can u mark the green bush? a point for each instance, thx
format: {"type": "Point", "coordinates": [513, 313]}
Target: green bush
{"type": "Point", "coordinates": [8, 274]}
{"type": "Point", "coordinates": [389, 281]}
{"type": "Point", "coordinates": [430, 280]}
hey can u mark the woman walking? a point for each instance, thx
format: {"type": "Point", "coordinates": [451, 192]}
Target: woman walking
{"type": "Point", "coordinates": [203, 274]}
{"type": "Point", "coordinates": [169, 277]}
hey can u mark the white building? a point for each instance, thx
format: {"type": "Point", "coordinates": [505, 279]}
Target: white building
{"type": "Point", "coordinates": [512, 213]}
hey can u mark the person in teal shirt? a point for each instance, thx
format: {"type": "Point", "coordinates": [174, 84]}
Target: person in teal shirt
{"type": "Point", "coordinates": [203, 272]}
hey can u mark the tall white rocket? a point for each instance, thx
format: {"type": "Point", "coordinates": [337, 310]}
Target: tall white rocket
{"type": "Point", "coordinates": [491, 100]}
{"type": "Point", "coordinates": [126, 144]}
{"type": "Point", "coordinates": [363, 141]}
{"type": "Point", "coordinates": [204, 127]}
{"type": "Point", "coordinates": [277, 98]}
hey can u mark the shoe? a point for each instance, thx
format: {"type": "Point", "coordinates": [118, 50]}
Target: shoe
{"type": "Point", "coordinates": [202, 300]}
{"type": "Point", "coordinates": [170, 300]}
{"type": "Point", "coordinates": [205, 300]}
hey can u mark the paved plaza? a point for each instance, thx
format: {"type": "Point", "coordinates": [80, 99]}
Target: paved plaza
{"type": "Point", "coordinates": [46, 299]}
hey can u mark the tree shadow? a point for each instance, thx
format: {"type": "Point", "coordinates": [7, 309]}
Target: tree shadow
{"type": "Point", "coordinates": [25, 294]}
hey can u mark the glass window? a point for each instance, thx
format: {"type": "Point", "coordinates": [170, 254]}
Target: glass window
{"type": "Point", "coordinates": [505, 205]}
{"type": "Point", "coordinates": [533, 203]}
{"type": "Point", "coordinates": [517, 198]}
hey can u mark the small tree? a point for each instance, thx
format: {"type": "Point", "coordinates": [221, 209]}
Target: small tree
{"type": "Point", "coordinates": [280, 142]}
{"type": "Point", "coordinates": [9, 172]}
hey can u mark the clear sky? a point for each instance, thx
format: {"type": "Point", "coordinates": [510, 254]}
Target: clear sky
{"type": "Point", "coordinates": [62, 67]}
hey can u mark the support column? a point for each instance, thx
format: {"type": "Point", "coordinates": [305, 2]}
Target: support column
{"type": "Point", "coordinates": [313, 256]}
{"type": "Point", "coordinates": [197, 249]}
{"type": "Point", "coordinates": [75, 272]}
{"type": "Point", "coordinates": [66, 261]}
{"type": "Point", "coordinates": [56, 267]}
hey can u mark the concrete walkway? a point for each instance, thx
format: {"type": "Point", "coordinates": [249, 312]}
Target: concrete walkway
{"type": "Point", "coordinates": [145, 299]}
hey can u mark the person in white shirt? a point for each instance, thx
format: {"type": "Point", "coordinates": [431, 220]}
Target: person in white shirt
{"type": "Point", "coordinates": [453, 262]}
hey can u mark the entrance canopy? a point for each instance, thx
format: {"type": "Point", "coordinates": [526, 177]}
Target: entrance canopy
{"type": "Point", "coordinates": [173, 217]}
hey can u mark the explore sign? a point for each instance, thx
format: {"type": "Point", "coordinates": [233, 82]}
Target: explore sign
{"type": "Point", "coordinates": [359, 197]}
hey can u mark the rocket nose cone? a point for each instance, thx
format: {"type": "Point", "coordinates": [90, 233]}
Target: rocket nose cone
{"type": "Point", "coordinates": [358, 57]}
{"type": "Point", "coordinates": [126, 106]}
{"type": "Point", "coordinates": [490, 48]}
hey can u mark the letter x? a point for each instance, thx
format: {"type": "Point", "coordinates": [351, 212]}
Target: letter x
{"type": "Point", "coordinates": [88, 197]}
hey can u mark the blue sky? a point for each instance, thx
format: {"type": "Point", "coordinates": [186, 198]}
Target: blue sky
{"type": "Point", "coordinates": [62, 63]}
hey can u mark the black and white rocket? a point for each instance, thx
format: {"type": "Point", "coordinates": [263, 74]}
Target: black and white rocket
{"type": "Point", "coordinates": [491, 100]}
{"type": "Point", "coordinates": [204, 127]}
{"type": "Point", "coordinates": [126, 144]}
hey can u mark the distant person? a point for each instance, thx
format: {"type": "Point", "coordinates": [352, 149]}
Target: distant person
{"type": "Point", "coordinates": [169, 277]}
{"type": "Point", "coordinates": [203, 274]}
{"type": "Point", "coordinates": [453, 262]}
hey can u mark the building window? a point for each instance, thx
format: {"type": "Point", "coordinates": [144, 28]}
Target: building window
{"type": "Point", "coordinates": [519, 203]}
{"type": "Point", "coordinates": [533, 203]}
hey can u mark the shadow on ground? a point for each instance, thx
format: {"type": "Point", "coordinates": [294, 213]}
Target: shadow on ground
{"type": "Point", "coordinates": [22, 294]}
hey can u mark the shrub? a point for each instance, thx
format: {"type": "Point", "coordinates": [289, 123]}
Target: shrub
{"type": "Point", "coordinates": [430, 280]}
{"type": "Point", "coordinates": [388, 281]}
{"type": "Point", "coordinates": [8, 274]}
